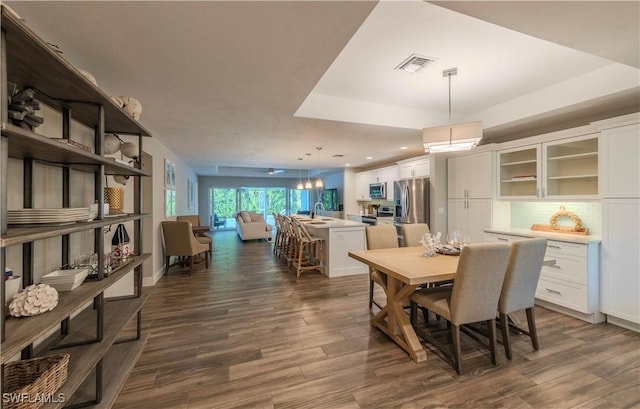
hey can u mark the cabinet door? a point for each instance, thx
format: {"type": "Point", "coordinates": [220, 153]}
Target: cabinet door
{"type": "Point", "coordinates": [421, 168]}
{"type": "Point", "coordinates": [456, 178]}
{"type": "Point", "coordinates": [620, 162]}
{"type": "Point", "coordinates": [570, 168]}
{"type": "Point", "coordinates": [478, 219]}
{"type": "Point", "coordinates": [620, 275]}
{"type": "Point", "coordinates": [519, 173]}
{"type": "Point", "coordinates": [457, 216]}
{"type": "Point", "coordinates": [405, 171]}
{"type": "Point", "coordinates": [362, 185]}
{"type": "Point", "coordinates": [479, 171]}
{"type": "Point", "coordinates": [388, 175]}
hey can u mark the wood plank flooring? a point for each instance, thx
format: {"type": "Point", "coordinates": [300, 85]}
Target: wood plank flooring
{"type": "Point", "coordinates": [247, 334]}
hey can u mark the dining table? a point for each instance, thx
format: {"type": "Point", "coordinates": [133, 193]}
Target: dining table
{"type": "Point", "coordinates": [401, 271]}
{"type": "Point", "coordinates": [200, 230]}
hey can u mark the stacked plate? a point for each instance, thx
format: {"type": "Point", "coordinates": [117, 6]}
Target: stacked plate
{"type": "Point", "coordinates": [39, 216]}
{"type": "Point", "coordinates": [65, 280]}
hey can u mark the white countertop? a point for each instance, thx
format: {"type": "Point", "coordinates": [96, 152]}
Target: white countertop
{"type": "Point", "coordinates": [566, 237]}
{"type": "Point", "coordinates": [331, 223]}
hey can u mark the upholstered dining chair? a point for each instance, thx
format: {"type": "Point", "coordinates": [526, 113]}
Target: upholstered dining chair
{"type": "Point", "coordinates": [179, 241]}
{"type": "Point", "coordinates": [202, 237]}
{"type": "Point", "coordinates": [382, 236]}
{"type": "Point", "coordinates": [413, 233]}
{"type": "Point", "coordinates": [519, 287]}
{"type": "Point", "coordinates": [472, 298]}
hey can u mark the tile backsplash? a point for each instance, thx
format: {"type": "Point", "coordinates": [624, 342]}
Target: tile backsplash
{"type": "Point", "coordinates": [525, 214]}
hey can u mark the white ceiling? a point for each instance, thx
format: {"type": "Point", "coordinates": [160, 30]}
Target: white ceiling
{"type": "Point", "coordinates": [256, 85]}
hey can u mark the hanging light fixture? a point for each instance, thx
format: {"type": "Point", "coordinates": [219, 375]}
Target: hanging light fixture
{"type": "Point", "coordinates": [319, 183]}
{"type": "Point", "coordinates": [308, 185]}
{"type": "Point", "coordinates": [451, 137]}
{"type": "Point", "coordinates": [300, 186]}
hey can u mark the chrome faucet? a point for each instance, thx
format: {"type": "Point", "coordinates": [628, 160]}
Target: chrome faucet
{"type": "Point", "coordinates": [315, 208]}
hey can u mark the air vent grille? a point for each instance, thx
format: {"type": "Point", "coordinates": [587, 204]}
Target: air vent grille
{"type": "Point", "coordinates": [414, 63]}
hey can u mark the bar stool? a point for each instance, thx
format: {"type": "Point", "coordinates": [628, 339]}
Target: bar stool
{"type": "Point", "coordinates": [309, 251]}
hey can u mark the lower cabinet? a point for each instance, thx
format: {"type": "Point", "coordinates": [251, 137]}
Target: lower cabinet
{"type": "Point", "coordinates": [571, 285]}
{"type": "Point", "coordinates": [620, 261]}
{"type": "Point", "coordinates": [470, 217]}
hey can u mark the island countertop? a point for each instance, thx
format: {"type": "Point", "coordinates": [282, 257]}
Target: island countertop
{"type": "Point", "coordinates": [340, 237]}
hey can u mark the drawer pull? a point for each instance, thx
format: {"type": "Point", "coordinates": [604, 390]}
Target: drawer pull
{"type": "Point", "coordinates": [502, 239]}
{"type": "Point", "coordinates": [554, 291]}
{"type": "Point", "coordinates": [553, 246]}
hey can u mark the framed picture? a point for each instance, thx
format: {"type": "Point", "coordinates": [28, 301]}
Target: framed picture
{"type": "Point", "coordinates": [169, 174]}
{"type": "Point", "coordinates": [191, 195]}
{"type": "Point", "coordinates": [169, 202]}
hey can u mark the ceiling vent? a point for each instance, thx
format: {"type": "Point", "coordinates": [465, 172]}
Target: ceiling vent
{"type": "Point", "coordinates": [414, 63]}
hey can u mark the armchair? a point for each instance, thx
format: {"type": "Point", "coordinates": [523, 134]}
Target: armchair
{"type": "Point", "coordinates": [179, 241]}
{"type": "Point", "coordinates": [251, 226]}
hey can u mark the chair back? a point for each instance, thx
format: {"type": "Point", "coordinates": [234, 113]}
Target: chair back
{"type": "Point", "coordinates": [478, 282]}
{"type": "Point", "coordinates": [413, 233]}
{"type": "Point", "coordinates": [523, 272]}
{"type": "Point", "coordinates": [382, 236]}
{"type": "Point", "coordinates": [193, 218]}
{"type": "Point", "coordinates": [179, 239]}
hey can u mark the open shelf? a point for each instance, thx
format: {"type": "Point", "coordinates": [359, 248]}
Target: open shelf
{"type": "Point", "coordinates": [572, 177]}
{"type": "Point", "coordinates": [25, 144]}
{"type": "Point", "coordinates": [85, 357]}
{"type": "Point", "coordinates": [575, 156]}
{"type": "Point", "coordinates": [521, 162]}
{"type": "Point", "coordinates": [20, 332]}
{"type": "Point", "coordinates": [19, 235]}
{"type": "Point", "coordinates": [37, 65]}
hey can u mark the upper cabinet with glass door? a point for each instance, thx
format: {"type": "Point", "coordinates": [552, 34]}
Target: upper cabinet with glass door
{"type": "Point", "coordinates": [560, 169]}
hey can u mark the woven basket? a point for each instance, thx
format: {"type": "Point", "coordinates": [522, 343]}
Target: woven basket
{"type": "Point", "coordinates": [31, 382]}
{"type": "Point", "coordinates": [115, 197]}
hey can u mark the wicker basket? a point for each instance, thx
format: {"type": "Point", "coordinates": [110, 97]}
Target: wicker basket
{"type": "Point", "coordinates": [115, 197]}
{"type": "Point", "coordinates": [31, 382]}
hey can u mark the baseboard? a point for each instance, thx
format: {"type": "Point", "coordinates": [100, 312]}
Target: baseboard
{"type": "Point", "coordinates": [151, 281]}
{"type": "Point", "coordinates": [595, 318]}
{"type": "Point", "coordinates": [633, 326]}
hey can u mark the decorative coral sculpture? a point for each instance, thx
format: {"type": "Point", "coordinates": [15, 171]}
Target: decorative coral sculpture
{"type": "Point", "coordinates": [431, 243]}
{"type": "Point", "coordinates": [33, 300]}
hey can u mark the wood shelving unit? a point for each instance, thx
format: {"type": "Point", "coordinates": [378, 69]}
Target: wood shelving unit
{"type": "Point", "coordinates": [91, 326]}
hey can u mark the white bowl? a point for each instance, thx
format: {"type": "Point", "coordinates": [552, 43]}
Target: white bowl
{"type": "Point", "coordinates": [65, 280]}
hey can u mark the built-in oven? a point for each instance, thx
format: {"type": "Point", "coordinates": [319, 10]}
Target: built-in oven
{"type": "Point", "coordinates": [378, 190]}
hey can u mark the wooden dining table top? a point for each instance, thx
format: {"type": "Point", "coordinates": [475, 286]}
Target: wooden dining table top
{"type": "Point", "coordinates": [200, 229]}
{"type": "Point", "coordinates": [408, 265]}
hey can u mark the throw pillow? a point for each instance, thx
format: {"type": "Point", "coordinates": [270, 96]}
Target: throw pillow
{"type": "Point", "coordinates": [256, 217]}
{"type": "Point", "coordinates": [246, 217]}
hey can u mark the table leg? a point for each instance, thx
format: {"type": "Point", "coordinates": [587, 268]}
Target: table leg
{"type": "Point", "coordinates": [397, 325]}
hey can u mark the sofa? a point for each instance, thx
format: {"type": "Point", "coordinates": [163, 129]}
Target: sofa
{"type": "Point", "coordinates": [251, 226]}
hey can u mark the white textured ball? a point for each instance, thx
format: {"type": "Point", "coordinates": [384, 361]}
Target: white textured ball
{"type": "Point", "coordinates": [111, 144]}
{"type": "Point", "coordinates": [132, 106]}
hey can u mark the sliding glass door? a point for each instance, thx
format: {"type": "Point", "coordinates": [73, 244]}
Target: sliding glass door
{"type": "Point", "coordinates": [224, 203]}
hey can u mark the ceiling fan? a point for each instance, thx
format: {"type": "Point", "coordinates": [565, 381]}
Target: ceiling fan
{"type": "Point", "coordinates": [272, 171]}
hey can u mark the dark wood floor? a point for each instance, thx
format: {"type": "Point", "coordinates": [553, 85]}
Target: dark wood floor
{"type": "Point", "coordinates": [248, 334]}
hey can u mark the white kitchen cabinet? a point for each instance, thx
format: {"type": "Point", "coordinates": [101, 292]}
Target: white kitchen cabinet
{"type": "Point", "coordinates": [414, 168]}
{"type": "Point", "coordinates": [571, 285]}
{"type": "Point", "coordinates": [470, 176]}
{"type": "Point", "coordinates": [470, 217]}
{"type": "Point", "coordinates": [554, 170]}
{"type": "Point", "coordinates": [362, 185]}
{"type": "Point", "coordinates": [620, 260]}
{"type": "Point", "coordinates": [620, 167]}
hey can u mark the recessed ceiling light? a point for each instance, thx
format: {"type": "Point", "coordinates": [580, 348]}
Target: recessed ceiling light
{"type": "Point", "coordinates": [404, 148]}
{"type": "Point", "coordinates": [369, 157]}
{"type": "Point", "coordinates": [347, 164]}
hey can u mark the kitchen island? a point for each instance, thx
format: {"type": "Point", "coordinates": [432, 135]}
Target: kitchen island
{"type": "Point", "coordinates": [340, 237]}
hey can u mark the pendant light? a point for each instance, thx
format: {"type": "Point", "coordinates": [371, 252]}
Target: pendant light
{"type": "Point", "coordinates": [451, 137]}
{"type": "Point", "coordinates": [319, 183]}
{"type": "Point", "coordinates": [308, 185]}
{"type": "Point", "coordinates": [300, 186]}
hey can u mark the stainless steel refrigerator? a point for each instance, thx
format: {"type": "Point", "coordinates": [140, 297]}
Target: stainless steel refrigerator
{"type": "Point", "coordinates": [411, 202]}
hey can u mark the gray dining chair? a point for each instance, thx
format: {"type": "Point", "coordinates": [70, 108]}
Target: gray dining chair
{"type": "Point", "coordinates": [413, 233]}
{"type": "Point", "coordinates": [382, 236]}
{"type": "Point", "coordinates": [472, 298]}
{"type": "Point", "coordinates": [519, 288]}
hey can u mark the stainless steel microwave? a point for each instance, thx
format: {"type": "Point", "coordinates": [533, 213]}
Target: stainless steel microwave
{"type": "Point", "coordinates": [378, 190]}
